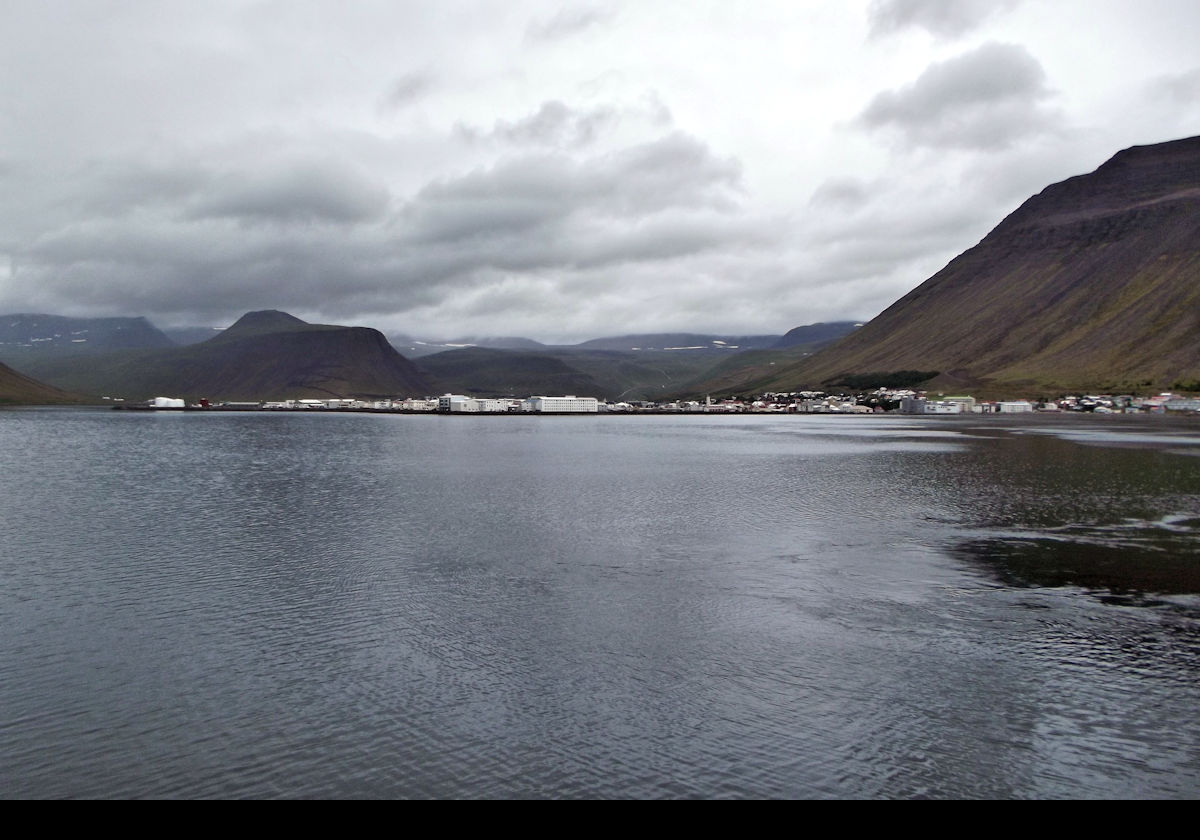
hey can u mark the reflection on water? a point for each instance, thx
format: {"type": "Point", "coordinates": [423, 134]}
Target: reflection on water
{"type": "Point", "coordinates": [354, 605]}
{"type": "Point", "coordinates": [1122, 521]}
{"type": "Point", "coordinates": [1124, 573]}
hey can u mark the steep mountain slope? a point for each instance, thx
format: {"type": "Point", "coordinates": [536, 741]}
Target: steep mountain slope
{"type": "Point", "coordinates": [265, 355]}
{"type": "Point", "coordinates": [17, 389]}
{"type": "Point", "coordinates": [1093, 283]}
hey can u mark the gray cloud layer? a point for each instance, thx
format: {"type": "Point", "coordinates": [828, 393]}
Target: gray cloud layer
{"type": "Point", "coordinates": [540, 169]}
{"type": "Point", "coordinates": [566, 22]}
{"type": "Point", "coordinates": [200, 240]}
{"type": "Point", "coordinates": [943, 18]}
{"type": "Point", "coordinates": [988, 98]}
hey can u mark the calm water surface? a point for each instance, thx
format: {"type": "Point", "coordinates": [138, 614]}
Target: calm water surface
{"type": "Point", "coordinates": [266, 605]}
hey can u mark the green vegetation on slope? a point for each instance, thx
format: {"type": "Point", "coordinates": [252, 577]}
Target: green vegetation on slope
{"type": "Point", "coordinates": [17, 389]}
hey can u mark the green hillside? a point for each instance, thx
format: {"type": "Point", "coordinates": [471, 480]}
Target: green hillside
{"type": "Point", "coordinates": [17, 389]}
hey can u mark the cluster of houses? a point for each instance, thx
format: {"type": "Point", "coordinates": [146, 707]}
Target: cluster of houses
{"type": "Point", "coordinates": [447, 403]}
{"type": "Point", "coordinates": [803, 402]}
{"type": "Point", "coordinates": [1126, 404]}
{"type": "Point", "coordinates": [461, 404]}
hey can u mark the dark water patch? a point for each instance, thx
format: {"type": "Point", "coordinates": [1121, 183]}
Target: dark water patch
{"type": "Point", "coordinates": [1126, 571]}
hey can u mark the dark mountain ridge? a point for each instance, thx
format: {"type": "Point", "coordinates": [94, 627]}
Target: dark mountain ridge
{"type": "Point", "coordinates": [265, 355]}
{"type": "Point", "coordinates": [647, 366]}
{"type": "Point", "coordinates": [1093, 283]}
{"type": "Point", "coordinates": [816, 334]}
{"type": "Point", "coordinates": [487, 372]}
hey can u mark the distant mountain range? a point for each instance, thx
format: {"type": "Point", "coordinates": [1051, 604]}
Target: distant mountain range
{"type": "Point", "coordinates": [680, 342]}
{"type": "Point", "coordinates": [128, 357]}
{"type": "Point", "coordinates": [630, 367]}
{"type": "Point", "coordinates": [25, 336]}
{"type": "Point", "coordinates": [415, 348]}
{"type": "Point", "coordinates": [1093, 284]}
{"type": "Point", "coordinates": [676, 342]}
{"type": "Point", "coordinates": [184, 336]}
{"type": "Point", "coordinates": [265, 355]}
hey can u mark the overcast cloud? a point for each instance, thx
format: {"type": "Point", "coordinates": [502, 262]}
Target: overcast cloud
{"type": "Point", "coordinates": [988, 98]}
{"type": "Point", "coordinates": [556, 171]}
{"type": "Point", "coordinates": [943, 18]}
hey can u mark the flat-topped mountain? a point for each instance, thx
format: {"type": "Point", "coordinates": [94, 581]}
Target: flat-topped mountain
{"type": "Point", "coordinates": [25, 336]}
{"type": "Point", "coordinates": [265, 355]}
{"type": "Point", "coordinates": [1092, 283]}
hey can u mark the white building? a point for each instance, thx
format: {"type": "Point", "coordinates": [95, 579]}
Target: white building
{"type": "Point", "coordinates": [1015, 407]}
{"type": "Point", "coordinates": [561, 405]}
{"type": "Point", "coordinates": [920, 405]}
{"type": "Point", "coordinates": [457, 404]}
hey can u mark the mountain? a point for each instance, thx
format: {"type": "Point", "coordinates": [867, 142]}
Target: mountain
{"type": "Point", "coordinates": [415, 348]}
{"type": "Point", "coordinates": [27, 336]}
{"type": "Point", "coordinates": [266, 321]}
{"type": "Point", "coordinates": [632, 367]}
{"type": "Point", "coordinates": [265, 355]}
{"type": "Point", "coordinates": [484, 372]}
{"type": "Point", "coordinates": [1093, 284]}
{"type": "Point", "coordinates": [18, 389]}
{"type": "Point", "coordinates": [676, 342]}
{"type": "Point", "coordinates": [672, 342]}
{"type": "Point", "coordinates": [743, 372]}
{"type": "Point", "coordinates": [816, 335]}
{"type": "Point", "coordinates": [183, 336]}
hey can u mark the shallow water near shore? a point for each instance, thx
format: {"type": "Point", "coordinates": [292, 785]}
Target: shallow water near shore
{"type": "Point", "coordinates": [329, 605]}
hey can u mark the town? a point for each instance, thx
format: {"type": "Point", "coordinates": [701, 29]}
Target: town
{"type": "Point", "coordinates": [880, 401]}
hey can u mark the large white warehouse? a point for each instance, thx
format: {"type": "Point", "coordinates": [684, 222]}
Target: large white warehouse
{"type": "Point", "coordinates": [561, 405]}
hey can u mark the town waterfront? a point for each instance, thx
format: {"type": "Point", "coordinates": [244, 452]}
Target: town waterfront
{"type": "Point", "coordinates": [202, 604]}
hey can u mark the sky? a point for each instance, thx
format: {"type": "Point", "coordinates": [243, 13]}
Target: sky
{"type": "Point", "coordinates": [554, 170]}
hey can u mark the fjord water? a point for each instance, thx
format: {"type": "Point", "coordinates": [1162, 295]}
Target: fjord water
{"type": "Point", "coordinates": [349, 605]}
